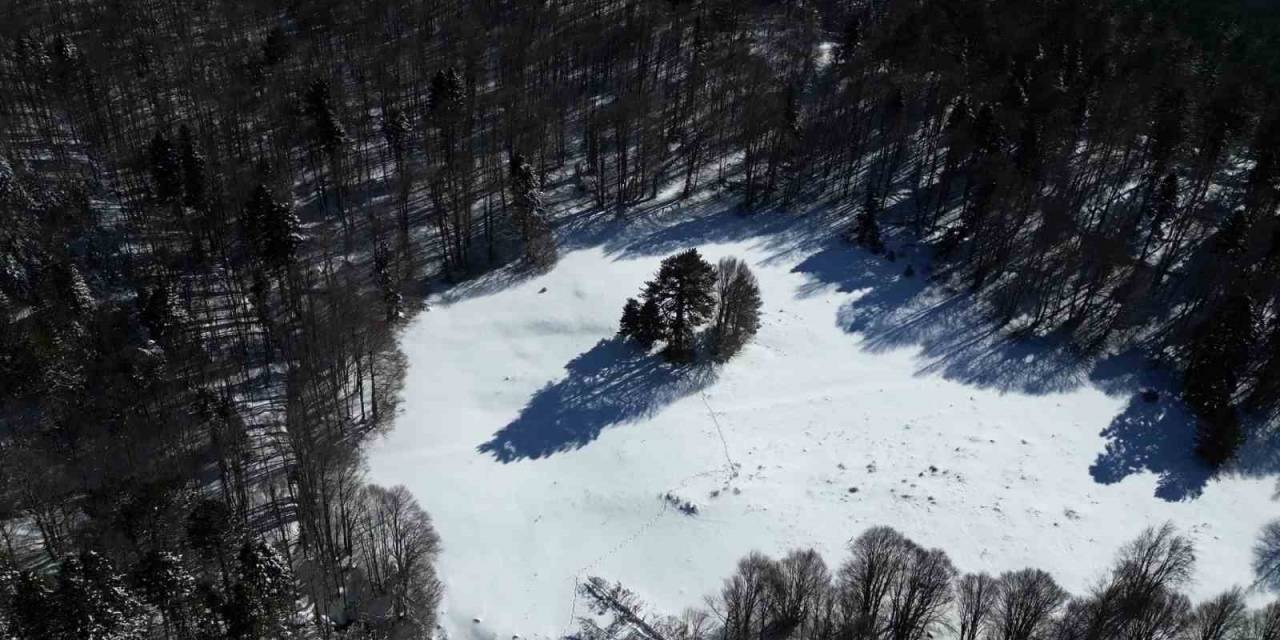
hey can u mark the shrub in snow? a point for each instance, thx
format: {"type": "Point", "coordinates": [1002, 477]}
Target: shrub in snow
{"type": "Point", "coordinates": [684, 506]}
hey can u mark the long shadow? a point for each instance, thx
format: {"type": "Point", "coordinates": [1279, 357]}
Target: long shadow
{"type": "Point", "coordinates": [957, 340]}
{"type": "Point", "coordinates": [613, 383]}
{"type": "Point", "coordinates": [661, 228]}
{"type": "Point", "coordinates": [952, 330]}
{"type": "Point", "coordinates": [1155, 435]}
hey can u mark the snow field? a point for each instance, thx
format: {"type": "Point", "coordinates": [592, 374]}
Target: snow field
{"type": "Point", "coordinates": [546, 451]}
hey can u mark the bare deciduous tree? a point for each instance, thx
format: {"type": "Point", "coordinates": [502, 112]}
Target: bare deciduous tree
{"type": "Point", "coordinates": [920, 594]}
{"type": "Point", "coordinates": [877, 557]}
{"type": "Point", "coordinates": [976, 598]}
{"type": "Point", "coordinates": [1026, 602]}
{"type": "Point", "coordinates": [1222, 617]}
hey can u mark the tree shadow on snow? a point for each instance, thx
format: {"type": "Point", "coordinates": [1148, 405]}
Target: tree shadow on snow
{"type": "Point", "coordinates": [615, 382]}
{"type": "Point", "coordinates": [952, 330]}
{"type": "Point", "coordinates": [957, 340]}
{"type": "Point", "coordinates": [1157, 436]}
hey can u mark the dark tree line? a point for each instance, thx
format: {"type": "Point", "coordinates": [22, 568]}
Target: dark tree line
{"type": "Point", "coordinates": [890, 588]}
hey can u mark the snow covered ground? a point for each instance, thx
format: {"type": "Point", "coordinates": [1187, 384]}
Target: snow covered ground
{"type": "Point", "coordinates": [544, 448]}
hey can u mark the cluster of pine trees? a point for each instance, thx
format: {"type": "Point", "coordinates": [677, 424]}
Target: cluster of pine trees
{"type": "Point", "coordinates": [686, 293]}
{"type": "Point", "coordinates": [890, 588]}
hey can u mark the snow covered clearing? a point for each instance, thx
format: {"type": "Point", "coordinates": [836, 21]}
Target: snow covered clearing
{"type": "Point", "coordinates": [547, 451]}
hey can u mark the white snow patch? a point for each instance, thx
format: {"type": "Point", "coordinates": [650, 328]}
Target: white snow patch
{"type": "Point", "coordinates": [544, 449]}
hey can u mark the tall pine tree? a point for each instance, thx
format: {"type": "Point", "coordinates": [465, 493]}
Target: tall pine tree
{"type": "Point", "coordinates": [1219, 352]}
{"type": "Point", "coordinates": [683, 293]}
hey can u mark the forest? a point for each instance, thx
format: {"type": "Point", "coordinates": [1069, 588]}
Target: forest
{"type": "Point", "coordinates": [215, 214]}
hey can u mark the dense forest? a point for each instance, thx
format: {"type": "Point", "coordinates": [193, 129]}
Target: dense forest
{"type": "Point", "coordinates": [214, 214]}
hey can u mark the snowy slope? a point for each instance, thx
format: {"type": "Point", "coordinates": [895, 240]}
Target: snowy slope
{"type": "Point", "coordinates": [543, 447]}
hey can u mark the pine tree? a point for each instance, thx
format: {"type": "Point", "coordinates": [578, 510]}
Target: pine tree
{"type": "Point", "coordinates": [28, 605]}
{"type": "Point", "coordinates": [275, 47]}
{"type": "Point", "coordinates": [539, 245]}
{"type": "Point", "coordinates": [395, 129]}
{"type": "Point", "coordinates": [192, 163]}
{"type": "Point", "coordinates": [161, 312]}
{"type": "Point", "coordinates": [1266, 391]}
{"type": "Point", "coordinates": [1262, 191]}
{"type": "Point", "coordinates": [272, 228]}
{"type": "Point", "coordinates": [445, 97]}
{"type": "Point", "coordinates": [391, 297]}
{"type": "Point", "coordinates": [327, 132]}
{"type": "Point", "coordinates": [866, 229]}
{"type": "Point", "coordinates": [1161, 208]}
{"type": "Point", "coordinates": [209, 530]}
{"type": "Point", "coordinates": [850, 40]}
{"type": "Point", "coordinates": [261, 600]}
{"type": "Point", "coordinates": [629, 326]}
{"type": "Point", "coordinates": [166, 169]}
{"type": "Point", "coordinates": [1219, 351]}
{"type": "Point", "coordinates": [92, 601]}
{"type": "Point", "coordinates": [683, 293]}
{"type": "Point", "coordinates": [649, 327]}
{"type": "Point", "coordinates": [67, 289]}
{"type": "Point", "coordinates": [164, 583]}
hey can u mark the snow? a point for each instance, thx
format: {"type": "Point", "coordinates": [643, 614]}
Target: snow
{"type": "Point", "coordinates": [546, 451]}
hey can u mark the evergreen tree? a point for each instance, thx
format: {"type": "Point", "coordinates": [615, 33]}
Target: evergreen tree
{"type": "Point", "coordinates": [391, 297]}
{"type": "Point", "coordinates": [164, 583]}
{"type": "Point", "coordinates": [629, 326]}
{"type": "Point", "coordinates": [524, 185]}
{"type": "Point", "coordinates": [539, 245]}
{"type": "Point", "coordinates": [262, 599]}
{"type": "Point", "coordinates": [272, 228]}
{"type": "Point", "coordinates": [192, 162]}
{"type": "Point", "coordinates": [275, 47]}
{"type": "Point", "coordinates": [1266, 390]}
{"type": "Point", "coordinates": [1219, 352]}
{"type": "Point", "coordinates": [67, 289]}
{"type": "Point", "coordinates": [445, 97]}
{"type": "Point", "coordinates": [683, 293]}
{"type": "Point", "coordinates": [28, 607]}
{"type": "Point", "coordinates": [866, 229]}
{"type": "Point", "coordinates": [395, 129]}
{"type": "Point", "coordinates": [649, 327]}
{"type": "Point", "coordinates": [210, 530]}
{"type": "Point", "coordinates": [1262, 191]}
{"type": "Point", "coordinates": [1160, 209]}
{"type": "Point", "coordinates": [327, 132]}
{"type": "Point", "coordinates": [92, 601]}
{"type": "Point", "coordinates": [850, 40]}
{"type": "Point", "coordinates": [161, 312]}
{"type": "Point", "coordinates": [166, 169]}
